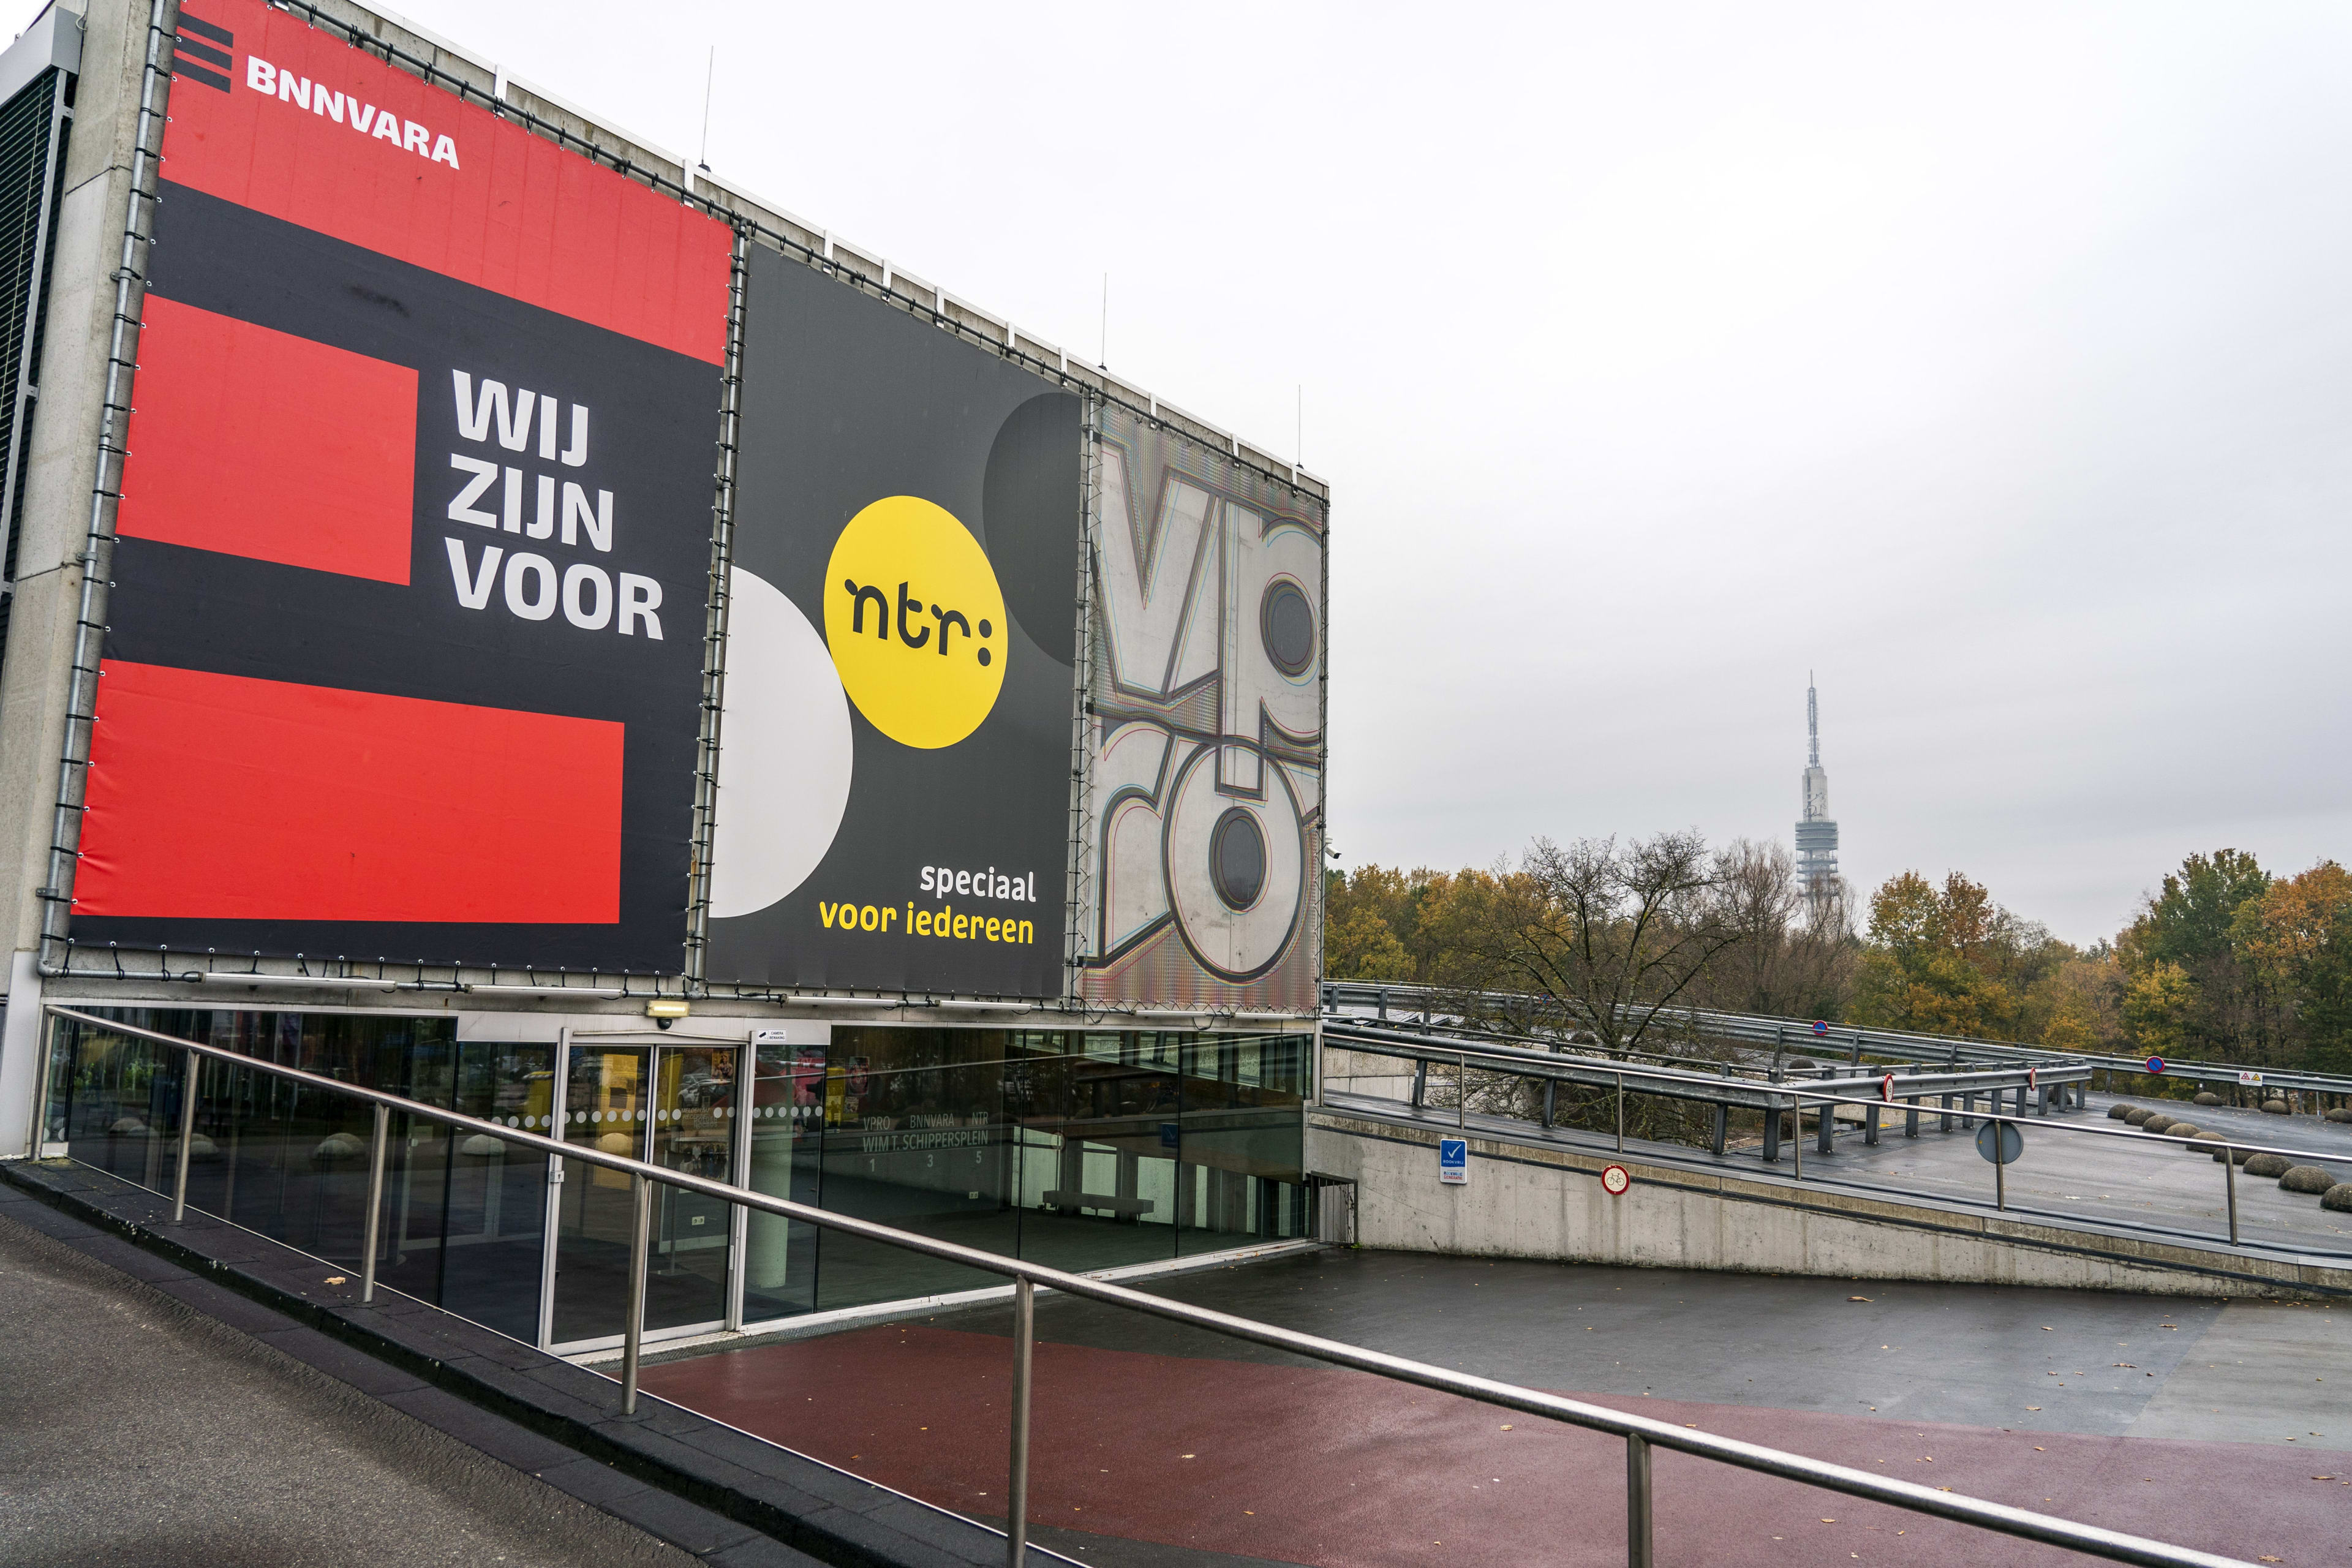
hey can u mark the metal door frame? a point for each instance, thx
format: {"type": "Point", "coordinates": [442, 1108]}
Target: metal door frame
{"type": "Point", "coordinates": [651, 1041]}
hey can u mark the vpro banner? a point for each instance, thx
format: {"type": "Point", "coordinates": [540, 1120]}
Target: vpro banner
{"type": "Point", "coordinates": [895, 755]}
{"type": "Point", "coordinates": [404, 641]}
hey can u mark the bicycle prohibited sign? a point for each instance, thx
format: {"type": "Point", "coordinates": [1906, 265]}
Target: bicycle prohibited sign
{"type": "Point", "coordinates": [1614, 1181]}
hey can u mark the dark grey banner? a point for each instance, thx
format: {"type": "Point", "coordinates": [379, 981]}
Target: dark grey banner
{"type": "Point", "coordinates": [895, 772]}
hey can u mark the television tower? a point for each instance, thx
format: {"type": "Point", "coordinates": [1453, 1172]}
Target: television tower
{"type": "Point", "coordinates": [1817, 834]}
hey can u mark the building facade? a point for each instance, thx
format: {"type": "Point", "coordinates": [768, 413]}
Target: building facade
{"type": "Point", "coordinates": [497, 614]}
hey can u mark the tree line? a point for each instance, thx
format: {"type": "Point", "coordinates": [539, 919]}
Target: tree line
{"type": "Point", "coordinates": [2224, 959]}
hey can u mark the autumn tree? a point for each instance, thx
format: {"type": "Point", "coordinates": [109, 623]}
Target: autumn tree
{"type": "Point", "coordinates": [1949, 960]}
{"type": "Point", "coordinates": [1795, 956]}
{"type": "Point", "coordinates": [2188, 924]}
{"type": "Point", "coordinates": [2291, 942]}
{"type": "Point", "coordinates": [1361, 914]}
{"type": "Point", "coordinates": [1608, 932]}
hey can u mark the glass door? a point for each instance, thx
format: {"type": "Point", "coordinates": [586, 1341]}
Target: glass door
{"type": "Point", "coordinates": [670, 1105]}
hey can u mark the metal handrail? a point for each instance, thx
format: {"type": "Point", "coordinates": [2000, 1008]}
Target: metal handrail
{"type": "Point", "coordinates": [1569, 1065]}
{"type": "Point", "coordinates": [1885, 1042]}
{"type": "Point", "coordinates": [1521, 1063]}
{"type": "Point", "coordinates": [1640, 1432]}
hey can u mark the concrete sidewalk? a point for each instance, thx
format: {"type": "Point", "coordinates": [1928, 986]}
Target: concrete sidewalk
{"type": "Point", "coordinates": [138, 1431]}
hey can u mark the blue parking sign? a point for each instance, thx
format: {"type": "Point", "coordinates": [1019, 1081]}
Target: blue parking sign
{"type": "Point", "coordinates": [1454, 1160]}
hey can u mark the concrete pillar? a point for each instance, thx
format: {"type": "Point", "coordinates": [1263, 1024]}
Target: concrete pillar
{"type": "Point", "coordinates": [1073, 1166]}
{"type": "Point", "coordinates": [767, 1238]}
{"type": "Point", "coordinates": [1130, 1174]}
{"type": "Point", "coordinates": [22, 1116]}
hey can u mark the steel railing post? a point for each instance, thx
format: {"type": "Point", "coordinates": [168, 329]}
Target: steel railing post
{"type": "Point", "coordinates": [187, 1132]}
{"type": "Point", "coordinates": [2000, 1167]}
{"type": "Point", "coordinates": [371, 1231]}
{"type": "Point", "coordinates": [1638, 1530]}
{"type": "Point", "coordinates": [1797, 1144]}
{"type": "Point", "coordinates": [641, 1205]}
{"type": "Point", "coordinates": [1461, 1092]}
{"type": "Point", "coordinates": [1621, 1113]}
{"type": "Point", "coordinates": [1024, 1345]}
{"type": "Point", "coordinates": [2230, 1180]}
{"type": "Point", "coordinates": [1419, 1081]}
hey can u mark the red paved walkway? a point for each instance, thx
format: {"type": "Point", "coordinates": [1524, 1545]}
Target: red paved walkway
{"type": "Point", "coordinates": [1343, 1469]}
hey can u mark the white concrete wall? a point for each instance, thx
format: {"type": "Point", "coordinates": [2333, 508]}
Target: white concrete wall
{"type": "Point", "coordinates": [1523, 1202]}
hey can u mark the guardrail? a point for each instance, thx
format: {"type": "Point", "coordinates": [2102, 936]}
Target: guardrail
{"type": "Point", "coordinates": [1721, 1088]}
{"type": "Point", "coordinates": [1889, 1091]}
{"type": "Point", "coordinates": [1760, 1029]}
{"type": "Point", "coordinates": [1640, 1434]}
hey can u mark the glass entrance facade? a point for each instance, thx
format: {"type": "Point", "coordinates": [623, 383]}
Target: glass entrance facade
{"type": "Point", "coordinates": [1084, 1149]}
{"type": "Point", "coordinates": [665, 1104]}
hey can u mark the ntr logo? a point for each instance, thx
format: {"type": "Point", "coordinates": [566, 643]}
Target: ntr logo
{"type": "Point", "coordinates": [915, 687]}
{"type": "Point", "coordinates": [910, 609]}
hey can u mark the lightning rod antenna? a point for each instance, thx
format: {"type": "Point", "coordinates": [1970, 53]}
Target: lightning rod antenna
{"type": "Point", "coordinates": [710, 75]}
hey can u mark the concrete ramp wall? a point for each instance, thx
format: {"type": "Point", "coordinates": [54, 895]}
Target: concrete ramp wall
{"type": "Point", "coordinates": [1526, 1200]}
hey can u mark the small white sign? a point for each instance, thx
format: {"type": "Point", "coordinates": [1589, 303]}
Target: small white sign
{"type": "Point", "coordinates": [2253, 1077]}
{"type": "Point", "coordinates": [1454, 1161]}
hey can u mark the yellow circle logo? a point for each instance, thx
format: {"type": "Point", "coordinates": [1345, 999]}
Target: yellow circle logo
{"type": "Point", "coordinates": [916, 622]}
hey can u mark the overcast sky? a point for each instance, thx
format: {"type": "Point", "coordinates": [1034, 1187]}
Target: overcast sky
{"type": "Point", "coordinates": [1993, 361]}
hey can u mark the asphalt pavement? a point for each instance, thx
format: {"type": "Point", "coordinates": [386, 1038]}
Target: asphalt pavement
{"type": "Point", "coordinates": [2194, 1421]}
{"type": "Point", "coordinates": [139, 1432]}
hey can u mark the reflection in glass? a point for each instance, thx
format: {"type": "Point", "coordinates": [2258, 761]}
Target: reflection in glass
{"type": "Point", "coordinates": [1085, 1150]}
{"type": "Point", "coordinates": [785, 1099]}
{"type": "Point", "coordinates": [668, 1105]}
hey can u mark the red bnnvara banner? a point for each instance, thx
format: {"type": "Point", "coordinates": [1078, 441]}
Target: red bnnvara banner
{"type": "Point", "coordinates": [404, 649]}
